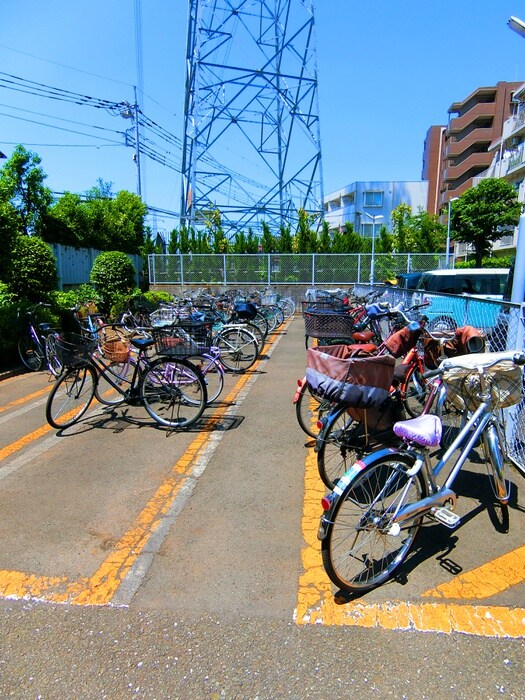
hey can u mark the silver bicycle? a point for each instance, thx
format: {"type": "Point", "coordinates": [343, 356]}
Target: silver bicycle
{"type": "Point", "coordinates": [372, 516]}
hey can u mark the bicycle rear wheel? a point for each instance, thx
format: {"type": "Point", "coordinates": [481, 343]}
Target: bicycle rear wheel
{"type": "Point", "coordinates": [361, 548]}
{"type": "Point", "coordinates": [213, 376]}
{"type": "Point", "coordinates": [71, 396]}
{"type": "Point", "coordinates": [30, 352]}
{"type": "Point", "coordinates": [414, 392]}
{"type": "Point", "coordinates": [239, 349]}
{"type": "Point", "coordinates": [173, 392]}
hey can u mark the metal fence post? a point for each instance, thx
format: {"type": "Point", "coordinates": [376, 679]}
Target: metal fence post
{"type": "Point", "coordinates": [224, 274]}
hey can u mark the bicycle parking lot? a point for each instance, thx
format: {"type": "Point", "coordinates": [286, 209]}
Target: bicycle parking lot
{"type": "Point", "coordinates": [222, 520]}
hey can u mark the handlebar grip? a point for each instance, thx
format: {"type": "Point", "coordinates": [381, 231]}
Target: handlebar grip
{"type": "Point", "coordinates": [429, 374]}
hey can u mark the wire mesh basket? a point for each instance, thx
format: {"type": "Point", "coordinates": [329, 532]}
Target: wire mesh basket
{"type": "Point", "coordinates": [74, 350]}
{"type": "Point", "coordinates": [328, 324]}
{"type": "Point", "coordinates": [502, 382]}
{"type": "Point", "coordinates": [268, 299]}
{"type": "Point", "coordinates": [184, 339]}
{"type": "Point", "coordinates": [165, 316]}
{"type": "Point", "coordinates": [334, 305]}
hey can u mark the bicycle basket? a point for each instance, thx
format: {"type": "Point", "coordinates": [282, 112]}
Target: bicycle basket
{"type": "Point", "coordinates": [504, 381]}
{"type": "Point", "coordinates": [74, 350]}
{"type": "Point", "coordinates": [116, 350]}
{"type": "Point", "coordinates": [336, 374]}
{"type": "Point", "coordinates": [184, 339]}
{"type": "Point", "coordinates": [328, 324]}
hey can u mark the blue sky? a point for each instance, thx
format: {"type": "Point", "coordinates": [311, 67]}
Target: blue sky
{"type": "Point", "coordinates": [387, 71]}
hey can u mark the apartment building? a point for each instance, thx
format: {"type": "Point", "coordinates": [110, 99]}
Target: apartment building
{"type": "Point", "coordinates": [508, 162]}
{"type": "Point", "coordinates": [456, 154]}
{"type": "Point", "coordinates": [370, 204]}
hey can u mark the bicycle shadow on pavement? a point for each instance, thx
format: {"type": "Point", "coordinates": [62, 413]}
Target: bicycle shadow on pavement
{"type": "Point", "coordinates": [120, 418]}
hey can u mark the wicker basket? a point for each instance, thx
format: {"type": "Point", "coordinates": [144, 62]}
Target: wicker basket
{"type": "Point", "coordinates": [504, 380]}
{"type": "Point", "coordinates": [116, 350]}
{"type": "Point", "coordinates": [74, 350]}
{"type": "Point", "coordinates": [183, 340]}
{"type": "Point", "coordinates": [328, 324]}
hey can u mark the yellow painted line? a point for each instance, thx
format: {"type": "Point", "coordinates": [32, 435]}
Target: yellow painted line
{"type": "Point", "coordinates": [316, 603]}
{"type": "Point", "coordinates": [485, 581]}
{"type": "Point", "coordinates": [13, 447]}
{"type": "Point", "coordinates": [25, 399]}
{"type": "Point", "coordinates": [103, 584]}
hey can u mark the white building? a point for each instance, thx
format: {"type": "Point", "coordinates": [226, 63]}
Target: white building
{"type": "Point", "coordinates": [364, 204]}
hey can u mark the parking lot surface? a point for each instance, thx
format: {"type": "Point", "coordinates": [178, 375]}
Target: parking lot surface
{"type": "Point", "coordinates": [140, 563]}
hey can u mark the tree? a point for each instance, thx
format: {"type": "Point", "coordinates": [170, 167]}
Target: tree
{"type": "Point", "coordinates": [33, 271]}
{"type": "Point", "coordinates": [400, 227]}
{"type": "Point", "coordinates": [8, 236]}
{"type": "Point", "coordinates": [482, 214]}
{"type": "Point", "coordinates": [425, 233]}
{"type": "Point", "coordinates": [267, 239]}
{"type": "Point", "coordinates": [22, 184]}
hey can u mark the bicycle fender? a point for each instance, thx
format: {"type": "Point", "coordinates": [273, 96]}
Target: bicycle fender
{"type": "Point", "coordinates": [330, 501]}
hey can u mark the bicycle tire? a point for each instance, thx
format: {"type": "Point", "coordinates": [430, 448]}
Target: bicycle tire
{"type": "Point", "coordinates": [414, 391]}
{"type": "Point", "coordinates": [254, 329]}
{"type": "Point", "coordinates": [54, 364]}
{"type": "Point", "coordinates": [173, 392]}
{"type": "Point", "coordinates": [359, 550]}
{"type": "Point", "coordinates": [213, 376]}
{"type": "Point", "coordinates": [337, 446]}
{"type": "Point", "coordinates": [31, 354]}
{"type": "Point", "coordinates": [71, 396]}
{"type": "Point", "coordinates": [114, 381]}
{"type": "Point", "coordinates": [308, 407]}
{"type": "Point", "coordinates": [238, 347]}
{"type": "Point", "coordinates": [452, 420]}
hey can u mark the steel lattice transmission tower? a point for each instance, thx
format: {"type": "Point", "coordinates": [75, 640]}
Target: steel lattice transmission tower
{"type": "Point", "coordinates": [251, 123]}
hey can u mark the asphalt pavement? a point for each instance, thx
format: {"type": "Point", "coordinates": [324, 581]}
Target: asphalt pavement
{"type": "Point", "coordinates": [225, 596]}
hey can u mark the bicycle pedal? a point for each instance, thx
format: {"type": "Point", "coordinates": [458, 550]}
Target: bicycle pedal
{"type": "Point", "coordinates": [445, 517]}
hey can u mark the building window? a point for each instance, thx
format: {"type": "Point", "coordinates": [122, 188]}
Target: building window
{"type": "Point", "coordinates": [367, 230]}
{"type": "Point", "coordinates": [373, 198]}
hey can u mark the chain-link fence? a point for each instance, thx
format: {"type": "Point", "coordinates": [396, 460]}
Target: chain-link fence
{"type": "Point", "coordinates": [272, 269]}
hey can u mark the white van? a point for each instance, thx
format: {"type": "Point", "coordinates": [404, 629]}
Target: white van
{"type": "Point", "coordinates": [473, 301]}
{"type": "Point", "coordinates": [486, 282]}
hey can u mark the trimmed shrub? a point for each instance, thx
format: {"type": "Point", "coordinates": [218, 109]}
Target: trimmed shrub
{"type": "Point", "coordinates": [113, 275]}
{"type": "Point", "coordinates": [32, 270]}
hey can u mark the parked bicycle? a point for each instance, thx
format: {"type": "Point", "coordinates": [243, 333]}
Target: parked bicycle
{"type": "Point", "coordinates": [347, 433]}
{"type": "Point", "coordinates": [372, 516]}
{"type": "Point", "coordinates": [171, 388]}
{"type": "Point", "coordinates": [37, 343]}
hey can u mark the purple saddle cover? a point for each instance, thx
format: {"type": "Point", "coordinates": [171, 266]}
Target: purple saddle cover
{"type": "Point", "coordinates": [425, 430]}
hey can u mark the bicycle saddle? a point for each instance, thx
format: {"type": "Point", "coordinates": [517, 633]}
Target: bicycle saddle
{"type": "Point", "coordinates": [424, 430]}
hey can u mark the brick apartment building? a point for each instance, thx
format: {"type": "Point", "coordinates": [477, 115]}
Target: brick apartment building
{"type": "Point", "coordinates": [455, 154]}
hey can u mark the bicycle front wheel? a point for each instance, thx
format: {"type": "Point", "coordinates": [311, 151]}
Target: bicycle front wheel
{"type": "Point", "coordinates": [362, 548]}
{"type": "Point", "coordinates": [70, 397]}
{"type": "Point", "coordinates": [54, 364]}
{"type": "Point", "coordinates": [309, 408]}
{"type": "Point", "coordinates": [337, 446]}
{"type": "Point", "coordinates": [238, 347]}
{"type": "Point", "coordinates": [114, 382]}
{"type": "Point", "coordinates": [30, 352]}
{"type": "Point", "coordinates": [173, 392]}
{"type": "Point", "coordinates": [414, 392]}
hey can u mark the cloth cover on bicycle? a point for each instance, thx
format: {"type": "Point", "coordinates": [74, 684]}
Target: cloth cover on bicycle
{"type": "Point", "coordinates": [463, 341]}
{"type": "Point", "coordinates": [348, 378]}
{"type": "Point", "coordinates": [400, 342]}
{"type": "Point", "coordinates": [245, 310]}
